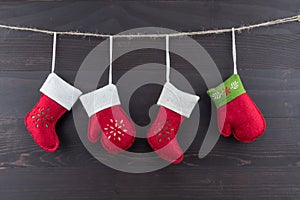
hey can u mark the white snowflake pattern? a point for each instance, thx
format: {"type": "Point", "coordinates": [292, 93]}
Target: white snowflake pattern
{"type": "Point", "coordinates": [234, 85]}
{"type": "Point", "coordinates": [216, 95]}
{"type": "Point", "coordinates": [115, 130]}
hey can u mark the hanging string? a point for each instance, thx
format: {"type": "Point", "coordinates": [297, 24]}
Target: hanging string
{"type": "Point", "coordinates": [205, 32]}
{"type": "Point", "coordinates": [167, 60]}
{"type": "Point", "coordinates": [110, 59]}
{"type": "Point", "coordinates": [53, 53]}
{"type": "Point", "coordinates": [234, 52]}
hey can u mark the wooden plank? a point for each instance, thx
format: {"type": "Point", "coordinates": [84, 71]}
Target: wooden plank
{"type": "Point", "coordinates": [278, 147]}
{"type": "Point", "coordinates": [276, 92]}
{"type": "Point", "coordinates": [33, 52]}
{"type": "Point", "coordinates": [117, 16]}
{"type": "Point", "coordinates": [173, 182]}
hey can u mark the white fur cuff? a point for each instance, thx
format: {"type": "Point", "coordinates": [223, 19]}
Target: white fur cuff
{"type": "Point", "coordinates": [180, 102]}
{"type": "Point", "coordinates": [60, 91]}
{"type": "Point", "coordinates": [100, 99]}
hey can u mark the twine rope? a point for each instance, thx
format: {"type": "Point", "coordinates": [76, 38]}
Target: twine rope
{"type": "Point", "coordinates": [204, 32]}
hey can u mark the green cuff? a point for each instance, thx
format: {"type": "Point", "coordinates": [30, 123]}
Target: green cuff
{"type": "Point", "coordinates": [227, 91]}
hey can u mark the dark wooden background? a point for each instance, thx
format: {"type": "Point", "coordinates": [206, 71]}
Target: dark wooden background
{"type": "Point", "coordinates": [269, 62]}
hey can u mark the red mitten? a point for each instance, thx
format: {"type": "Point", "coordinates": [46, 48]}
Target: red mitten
{"type": "Point", "coordinates": [107, 120]}
{"type": "Point", "coordinates": [57, 97]}
{"type": "Point", "coordinates": [237, 113]}
{"type": "Point", "coordinates": [175, 106]}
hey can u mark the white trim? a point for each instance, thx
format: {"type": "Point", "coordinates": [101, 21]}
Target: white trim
{"type": "Point", "coordinates": [180, 102]}
{"type": "Point", "coordinates": [100, 99]}
{"type": "Point", "coordinates": [60, 91]}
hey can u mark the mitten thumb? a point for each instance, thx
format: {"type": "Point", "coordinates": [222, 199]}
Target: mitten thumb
{"type": "Point", "coordinates": [94, 129]}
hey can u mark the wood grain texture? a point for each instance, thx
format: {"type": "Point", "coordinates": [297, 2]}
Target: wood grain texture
{"type": "Point", "coordinates": [269, 63]}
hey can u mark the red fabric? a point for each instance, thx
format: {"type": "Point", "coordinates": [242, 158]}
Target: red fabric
{"type": "Point", "coordinates": [243, 119]}
{"type": "Point", "coordinates": [114, 129]}
{"type": "Point", "coordinates": [162, 135]}
{"type": "Point", "coordinates": [41, 121]}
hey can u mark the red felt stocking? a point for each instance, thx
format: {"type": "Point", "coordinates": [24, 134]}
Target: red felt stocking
{"type": "Point", "coordinates": [107, 119]}
{"type": "Point", "coordinates": [57, 97]}
{"type": "Point", "coordinates": [237, 113]}
{"type": "Point", "coordinates": [175, 106]}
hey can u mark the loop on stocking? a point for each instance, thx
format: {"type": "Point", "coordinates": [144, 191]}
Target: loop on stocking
{"type": "Point", "coordinates": [234, 52]}
{"type": "Point", "coordinates": [53, 52]}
